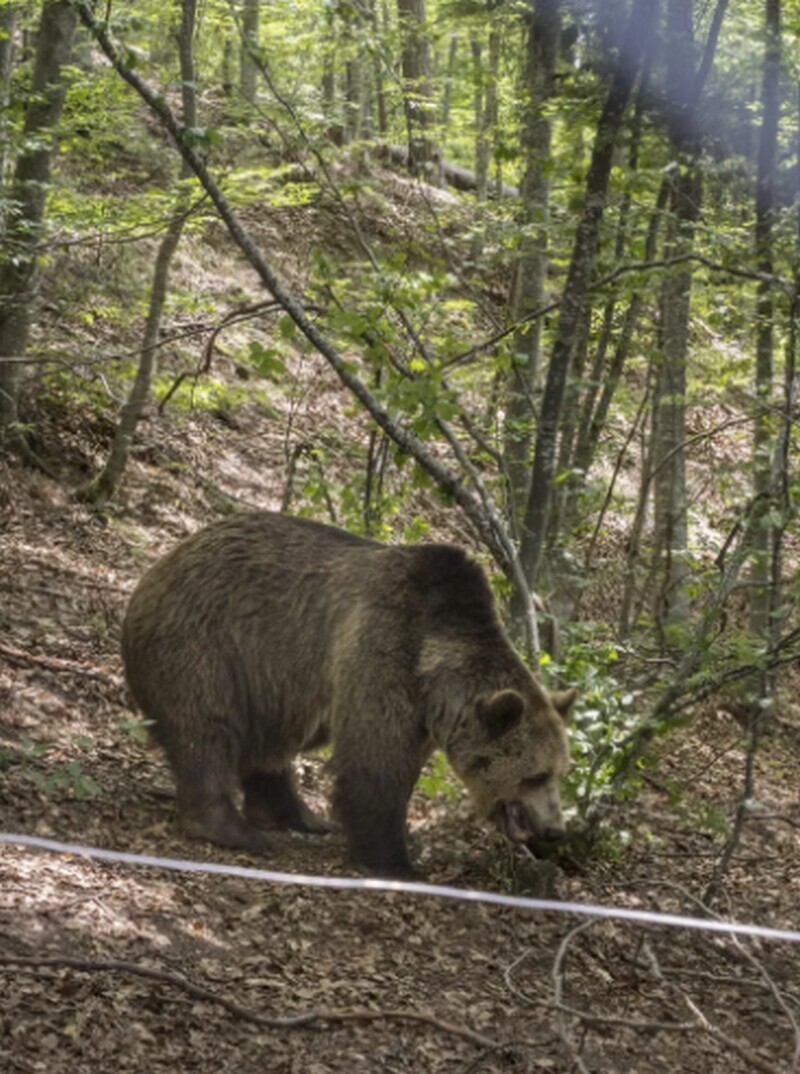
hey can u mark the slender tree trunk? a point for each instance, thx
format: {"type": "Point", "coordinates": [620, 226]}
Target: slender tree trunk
{"type": "Point", "coordinates": [25, 219]}
{"type": "Point", "coordinates": [669, 462]}
{"type": "Point", "coordinates": [634, 540]}
{"type": "Point", "coordinates": [594, 417]}
{"type": "Point", "coordinates": [8, 26]}
{"type": "Point", "coordinates": [103, 487]}
{"type": "Point", "coordinates": [491, 102]}
{"type": "Point", "coordinates": [486, 113]}
{"type": "Point", "coordinates": [452, 54]}
{"type": "Point", "coordinates": [377, 75]}
{"type": "Point", "coordinates": [353, 99]}
{"type": "Point", "coordinates": [637, 35]}
{"type": "Point", "coordinates": [781, 468]}
{"type": "Point", "coordinates": [248, 70]}
{"type": "Point", "coordinates": [765, 210]}
{"type": "Point", "coordinates": [416, 68]}
{"type": "Point", "coordinates": [577, 446]}
{"type": "Point", "coordinates": [329, 103]}
{"type": "Point", "coordinates": [482, 150]}
{"type": "Point", "coordinates": [565, 490]}
{"type": "Point", "coordinates": [528, 286]}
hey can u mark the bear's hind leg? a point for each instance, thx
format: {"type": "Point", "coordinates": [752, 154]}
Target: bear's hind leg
{"type": "Point", "coordinates": [271, 801]}
{"type": "Point", "coordinates": [206, 810]}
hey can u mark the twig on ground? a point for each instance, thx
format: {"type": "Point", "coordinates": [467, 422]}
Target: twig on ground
{"type": "Point", "coordinates": [54, 663]}
{"type": "Point", "coordinates": [774, 816]}
{"type": "Point", "coordinates": [777, 995]}
{"type": "Point", "coordinates": [573, 1049]}
{"type": "Point", "coordinates": [742, 812]}
{"type": "Point", "coordinates": [782, 999]}
{"type": "Point", "coordinates": [303, 1020]}
{"type": "Point", "coordinates": [730, 1042]}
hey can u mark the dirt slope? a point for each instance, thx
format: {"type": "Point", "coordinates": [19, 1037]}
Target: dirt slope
{"type": "Point", "coordinates": [72, 770]}
{"type": "Point", "coordinates": [399, 983]}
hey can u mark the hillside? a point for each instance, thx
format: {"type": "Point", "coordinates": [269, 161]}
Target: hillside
{"type": "Point", "coordinates": [399, 983]}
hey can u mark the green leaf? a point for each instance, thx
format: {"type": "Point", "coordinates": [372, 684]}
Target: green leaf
{"type": "Point", "coordinates": [266, 361]}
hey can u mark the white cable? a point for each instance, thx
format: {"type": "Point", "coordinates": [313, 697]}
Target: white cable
{"type": "Point", "coordinates": [352, 883]}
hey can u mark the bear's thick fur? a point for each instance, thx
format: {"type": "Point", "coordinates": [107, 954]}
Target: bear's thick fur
{"type": "Point", "coordinates": [266, 635]}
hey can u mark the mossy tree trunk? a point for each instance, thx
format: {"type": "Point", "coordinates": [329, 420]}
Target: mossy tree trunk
{"type": "Point", "coordinates": [27, 202]}
{"type": "Point", "coordinates": [9, 16]}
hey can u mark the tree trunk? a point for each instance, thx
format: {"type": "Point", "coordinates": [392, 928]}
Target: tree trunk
{"type": "Point", "coordinates": [578, 448]}
{"type": "Point", "coordinates": [248, 70]}
{"type": "Point", "coordinates": [353, 98]}
{"type": "Point", "coordinates": [669, 457]}
{"type": "Point", "coordinates": [416, 69]}
{"type": "Point", "coordinates": [485, 110]}
{"type": "Point", "coordinates": [8, 25]}
{"type": "Point", "coordinates": [24, 223]}
{"type": "Point", "coordinates": [103, 487]}
{"type": "Point", "coordinates": [637, 35]}
{"type": "Point", "coordinates": [452, 53]}
{"type": "Point", "coordinates": [491, 109]}
{"type": "Point", "coordinates": [782, 484]}
{"type": "Point", "coordinates": [765, 211]}
{"type": "Point", "coordinates": [329, 103]}
{"type": "Point", "coordinates": [482, 152]}
{"type": "Point", "coordinates": [593, 418]}
{"type": "Point", "coordinates": [528, 286]}
{"type": "Point", "coordinates": [565, 491]}
{"type": "Point", "coordinates": [377, 75]}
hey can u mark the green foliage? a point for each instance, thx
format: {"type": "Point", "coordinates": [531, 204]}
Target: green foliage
{"type": "Point", "coordinates": [605, 714]}
{"type": "Point", "coordinates": [205, 394]}
{"type": "Point", "coordinates": [136, 728]}
{"type": "Point", "coordinates": [54, 778]}
{"type": "Point", "coordinates": [706, 817]}
{"type": "Point", "coordinates": [438, 781]}
{"type": "Point", "coordinates": [265, 361]}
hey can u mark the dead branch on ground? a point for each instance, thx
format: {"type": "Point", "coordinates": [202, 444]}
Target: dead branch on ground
{"type": "Point", "coordinates": [303, 1020]}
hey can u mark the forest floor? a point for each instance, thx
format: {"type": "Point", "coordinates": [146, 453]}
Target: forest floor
{"type": "Point", "coordinates": [114, 967]}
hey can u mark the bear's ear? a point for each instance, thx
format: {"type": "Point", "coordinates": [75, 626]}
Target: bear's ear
{"type": "Point", "coordinates": [563, 700]}
{"type": "Point", "coordinates": [501, 713]}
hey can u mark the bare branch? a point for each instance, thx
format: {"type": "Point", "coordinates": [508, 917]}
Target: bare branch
{"type": "Point", "coordinates": [235, 317]}
{"type": "Point", "coordinates": [604, 281]}
{"type": "Point", "coordinates": [303, 1020]}
{"type": "Point", "coordinates": [403, 437]}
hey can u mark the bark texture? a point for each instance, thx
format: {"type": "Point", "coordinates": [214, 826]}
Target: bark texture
{"type": "Point", "coordinates": [25, 220]}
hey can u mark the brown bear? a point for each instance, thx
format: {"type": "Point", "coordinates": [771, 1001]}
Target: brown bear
{"type": "Point", "coordinates": [265, 635]}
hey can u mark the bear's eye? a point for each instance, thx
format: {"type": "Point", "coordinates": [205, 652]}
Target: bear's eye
{"type": "Point", "coordinates": [534, 782]}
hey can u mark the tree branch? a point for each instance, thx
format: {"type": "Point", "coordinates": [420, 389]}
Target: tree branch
{"type": "Point", "coordinates": [404, 438]}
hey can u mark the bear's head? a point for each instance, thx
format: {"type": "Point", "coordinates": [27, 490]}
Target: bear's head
{"type": "Point", "coordinates": [511, 754]}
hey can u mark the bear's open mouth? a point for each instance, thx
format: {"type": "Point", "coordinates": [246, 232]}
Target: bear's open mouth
{"type": "Point", "coordinates": [513, 820]}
